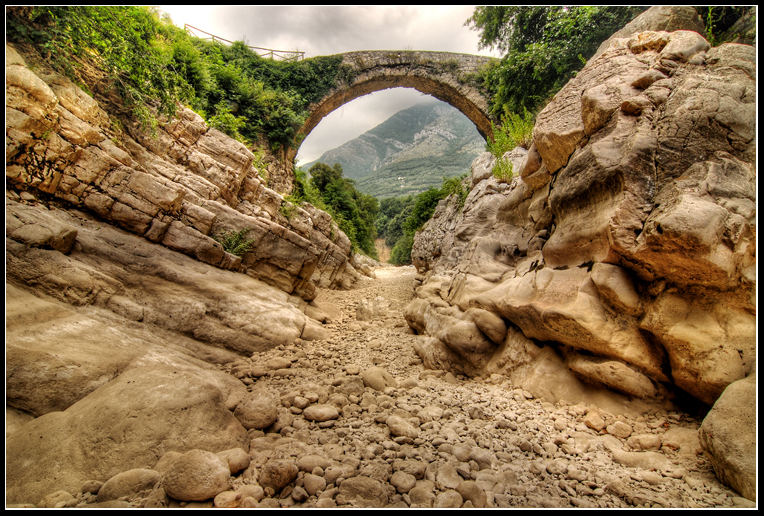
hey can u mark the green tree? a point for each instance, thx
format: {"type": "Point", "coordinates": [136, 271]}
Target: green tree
{"type": "Point", "coordinates": [322, 174]}
{"type": "Point", "coordinates": [354, 212]}
{"type": "Point", "coordinates": [543, 46]}
{"type": "Point", "coordinates": [152, 66]}
{"type": "Point", "coordinates": [400, 228]}
{"type": "Point", "coordinates": [401, 252]}
{"type": "Point", "coordinates": [393, 212]}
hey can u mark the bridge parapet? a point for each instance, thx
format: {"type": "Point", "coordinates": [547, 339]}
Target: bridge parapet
{"type": "Point", "coordinates": [463, 63]}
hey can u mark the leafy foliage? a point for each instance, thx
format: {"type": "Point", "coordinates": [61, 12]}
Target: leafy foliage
{"type": "Point", "coordinates": [128, 44]}
{"type": "Point", "coordinates": [393, 212]}
{"type": "Point", "coordinates": [544, 46]}
{"type": "Point", "coordinates": [235, 242]}
{"type": "Point", "coordinates": [401, 252]}
{"type": "Point", "coordinates": [515, 130]}
{"type": "Point", "coordinates": [400, 218]}
{"type": "Point", "coordinates": [353, 211]}
{"type": "Point", "coordinates": [424, 207]}
{"type": "Point", "coordinates": [455, 186]}
{"type": "Point", "coordinates": [226, 122]}
{"type": "Point", "coordinates": [502, 170]}
{"type": "Point", "coordinates": [152, 65]}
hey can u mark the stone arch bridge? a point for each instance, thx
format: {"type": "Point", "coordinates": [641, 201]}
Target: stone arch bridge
{"type": "Point", "coordinates": [447, 76]}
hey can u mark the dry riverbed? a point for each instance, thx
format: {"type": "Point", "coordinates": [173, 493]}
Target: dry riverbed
{"type": "Point", "coordinates": [362, 423]}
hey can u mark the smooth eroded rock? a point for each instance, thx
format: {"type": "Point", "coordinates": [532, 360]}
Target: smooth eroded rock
{"type": "Point", "coordinates": [728, 433]}
{"type": "Point", "coordinates": [196, 475]}
{"type": "Point", "coordinates": [128, 483]}
{"type": "Point", "coordinates": [321, 412]}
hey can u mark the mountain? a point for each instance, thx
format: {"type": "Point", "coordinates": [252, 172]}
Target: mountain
{"type": "Point", "coordinates": [410, 152]}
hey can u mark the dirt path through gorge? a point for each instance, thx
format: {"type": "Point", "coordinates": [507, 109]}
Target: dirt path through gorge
{"type": "Point", "coordinates": [368, 426]}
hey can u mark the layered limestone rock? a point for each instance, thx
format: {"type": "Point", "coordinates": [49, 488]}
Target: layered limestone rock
{"type": "Point", "coordinates": [113, 345]}
{"type": "Point", "coordinates": [133, 278]}
{"type": "Point", "coordinates": [624, 246]}
{"type": "Point", "coordinates": [181, 187]}
{"type": "Point", "coordinates": [121, 304]}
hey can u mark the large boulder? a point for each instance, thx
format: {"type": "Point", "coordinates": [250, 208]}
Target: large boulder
{"type": "Point", "coordinates": [55, 356]}
{"type": "Point", "coordinates": [159, 404]}
{"type": "Point", "coordinates": [563, 306]}
{"type": "Point", "coordinates": [710, 341]}
{"type": "Point", "coordinates": [728, 434]}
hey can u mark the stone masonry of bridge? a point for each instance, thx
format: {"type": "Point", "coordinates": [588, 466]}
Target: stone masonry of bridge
{"type": "Point", "coordinates": [447, 76]}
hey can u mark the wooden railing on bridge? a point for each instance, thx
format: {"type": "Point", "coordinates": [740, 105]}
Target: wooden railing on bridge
{"type": "Point", "coordinates": [280, 55]}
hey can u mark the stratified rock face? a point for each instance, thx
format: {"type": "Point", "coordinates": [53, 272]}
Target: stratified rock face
{"type": "Point", "coordinates": [121, 305]}
{"type": "Point", "coordinates": [181, 188]}
{"type": "Point", "coordinates": [627, 238]}
{"type": "Point", "coordinates": [141, 281]}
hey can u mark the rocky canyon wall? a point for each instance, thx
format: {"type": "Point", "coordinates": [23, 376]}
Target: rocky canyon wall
{"type": "Point", "coordinates": [628, 231]}
{"type": "Point", "coordinates": [622, 253]}
{"type": "Point", "coordinates": [179, 187]}
{"type": "Point", "coordinates": [121, 304]}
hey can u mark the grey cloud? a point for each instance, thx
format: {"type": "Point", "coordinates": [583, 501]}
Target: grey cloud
{"type": "Point", "coordinates": [323, 30]}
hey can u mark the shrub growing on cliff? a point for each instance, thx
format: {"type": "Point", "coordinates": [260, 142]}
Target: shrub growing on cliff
{"type": "Point", "coordinates": [235, 242]}
{"type": "Point", "coordinates": [515, 130]}
{"type": "Point", "coordinates": [503, 170]}
{"type": "Point", "coordinates": [455, 186]}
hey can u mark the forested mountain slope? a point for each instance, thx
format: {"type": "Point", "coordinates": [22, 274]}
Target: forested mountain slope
{"type": "Point", "coordinates": [410, 152]}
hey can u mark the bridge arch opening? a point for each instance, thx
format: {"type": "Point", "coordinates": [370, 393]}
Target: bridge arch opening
{"type": "Point", "coordinates": [409, 142]}
{"type": "Point", "coordinates": [356, 117]}
{"type": "Point", "coordinates": [359, 113]}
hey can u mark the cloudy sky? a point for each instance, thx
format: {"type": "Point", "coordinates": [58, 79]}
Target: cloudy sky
{"type": "Point", "coordinates": [326, 30]}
